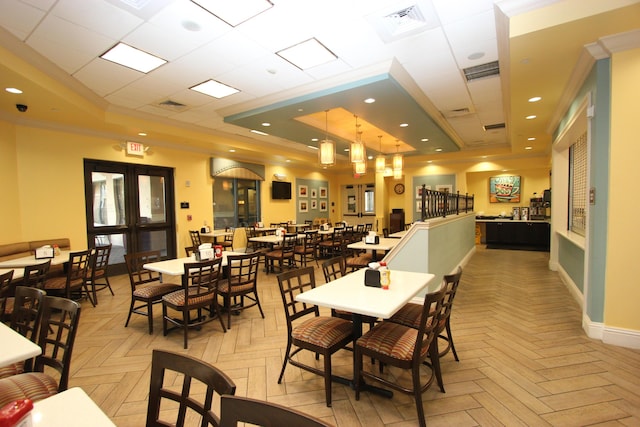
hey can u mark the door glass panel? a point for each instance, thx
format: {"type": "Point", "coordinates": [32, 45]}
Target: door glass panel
{"type": "Point", "coordinates": [223, 203]}
{"type": "Point", "coordinates": [351, 200]}
{"type": "Point", "coordinates": [153, 241]}
{"type": "Point", "coordinates": [108, 199]}
{"type": "Point", "coordinates": [118, 245]}
{"type": "Point", "coordinates": [369, 197]}
{"type": "Point", "coordinates": [151, 199]}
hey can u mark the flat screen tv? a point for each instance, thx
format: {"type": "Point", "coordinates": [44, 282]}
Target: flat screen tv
{"type": "Point", "coordinates": [280, 190]}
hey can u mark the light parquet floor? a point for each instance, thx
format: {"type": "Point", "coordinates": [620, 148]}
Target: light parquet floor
{"type": "Point", "coordinates": [524, 359]}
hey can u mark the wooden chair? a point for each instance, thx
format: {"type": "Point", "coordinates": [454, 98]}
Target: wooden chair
{"type": "Point", "coordinates": [236, 409]}
{"type": "Point", "coordinates": [75, 282]}
{"type": "Point", "coordinates": [35, 276]}
{"type": "Point", "coordinates": [308, 250]}
{"type": "Point", "coordinates": [321, 335]}
{"type": "Point", "coordinates": [242, 281]}
{"type": "Point", "coordinates": [25, 319]}
{"type": "Point", "coordinates": [189, 250]}
{"type": "Point", "coordinates": [199, 291]}
{"type": "Point", "coordinates": [194, 373]}
{"type": "Point", "coordinates": [6, 301]}
{"type": "Point", "coordinates": [332, 246]}
{"type": "Point", "coordinates": [409, 315]}
{"type": "Point", "coordinates": [57, 332]}
{"type": "Point", "coordinates": [284, 255]}
{"type": "Point", "coordinates": [227, 243]}
{"type": "Point", "coordinates": [385, 232]}
{"type": "Point", "coordinates": [403, 347]}
{"type": "Point", "coordinates": [196, 240]}
{"type": "Point", "coordinates": [146, 288]}
{"type": "Point", "coordinates": [98, 274]}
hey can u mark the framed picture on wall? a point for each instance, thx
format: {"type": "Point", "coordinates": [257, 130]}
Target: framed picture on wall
{"type": "Point", "coordinates": [323, 192]}
{"type": "Point", "coordinates": [444, 188]}
{"type": "Point", "coordinates": [314, 204]}
{"type": "Point", "coordinates": [303, 191]}
{"type": "Point", "coordinates": [419, 190]}
{"type": "Point", "coordinates": [314, 193]}
{"type": "Point", "coordinates": [323, 205]}
{"type": "Point", "coordinates": [303, 206]}
{"type": "Point", "coordinates": [504, 189]}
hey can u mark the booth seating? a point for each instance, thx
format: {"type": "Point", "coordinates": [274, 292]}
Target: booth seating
{"type": "Point", "coordinates": [11, 251]}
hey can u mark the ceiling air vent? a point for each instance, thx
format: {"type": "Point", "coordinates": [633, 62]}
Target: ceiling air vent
{"type": "Point", "coordinates": [171, 105]}
{"type": "Point", "coordinates": [393, 24]}
{"type": "Point", "coordinates": [481, 71]}
{"type": "Point", "coordinates": [494, 126]}
{"type": "Point", "coordinates": [458, 112]}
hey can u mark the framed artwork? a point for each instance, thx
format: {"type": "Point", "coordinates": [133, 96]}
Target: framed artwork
{"type": "Point", "coordinates": [303, 206]}
{"type": "Point", "coordinates": [323, 192]}
{"type": "Point", "coordinates": [323, 205]}
{"type": "Point", "coordinates": [444, 188]}
{"type": "Point", "coordinates": [419, 206]}
{"type": "Point", "coordinates": [504, 189]}
{"type": "Point", "coordinates": [303, 191]}
{"type": "Point", "coordinates": [314, 204]}
{"type": "Point", "coordinates": [419, 190]}
{"type": "Point", "coordinates": [314, 193]}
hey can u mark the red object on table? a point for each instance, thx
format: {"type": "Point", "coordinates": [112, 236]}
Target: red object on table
{"type": "Point", "coordinates": [12, 413]}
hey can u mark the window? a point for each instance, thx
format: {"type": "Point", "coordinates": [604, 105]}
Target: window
{"type": "Point", "coordinates": [578, 185]}
{"type": "Point", "coordinates": [236, 202]}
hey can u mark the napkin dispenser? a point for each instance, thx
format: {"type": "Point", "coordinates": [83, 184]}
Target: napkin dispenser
{"type": "Point", "coordinates": [205, 252]}
{"type": "Point", "coordinates": [372, 238]}
{"type": "Point", "coordinates": [372, 278]}
{"type": "Point", "coordinates": [44, 252]}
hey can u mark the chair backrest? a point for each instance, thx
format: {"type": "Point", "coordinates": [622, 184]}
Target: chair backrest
{"type": "Point", "coordinates": [242, 269]}
{"type": "Point", "coordinates": [291, 284]}
{"type": "Point", "coordinates": [236, 409]}
{"type": "Point", "coordinates": [195, 238]}
{"type": "Point", "coordinates": [288, 245]}
{"type": "Point", "coordinates": [78, 267]}
{"type": "Point", "coordinates": [137, 274]}
{"type": "Point", "coordinates": [368, 226]}
{"type": "Point", "coordinates": [189, 250]}
{"type": "Point", "coordinates": [311, 238]}
{"type": "Point", "coordinates": [36, 275]}
{"type": "Point", "coordinates": [451, 282]}
{"type": "Point", "coordinates": [57, 334]}
{"type": "Point", "coordinates": [429, 319]}
{"type": "Point", "coordinates": [100, 262]}
{"type": "Point", "coordinates": [385, 232]}
{"type": "Point", "coordinates": [334, 268]}
{"type": "Point", "coordinates": [5, 290]}
{"type": "Point", "coordinates": [27, 311]}
{"type": "Point", "coordinates": [201, 278]}
{"type": "Point", "coordinates": [191, 369]}
{"type": "Point", "coordinates": [229, 237]}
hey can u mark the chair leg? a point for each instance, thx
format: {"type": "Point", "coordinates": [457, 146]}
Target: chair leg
{"type": "Point", "coordinates": [130, 311]}
{"type": "Point", "coordinates": [417, 394]}
{"type": "Point", "coordinates": [435, 362]}
{"type": "Point", "coordinates": [327, 378]}
{"type": "Point", "coordinates": [150, 316]}
{"type": "Point", "coordinates": [357, 368]}
{"type": "Point", "coordinates": [286, 359]}
{"type": "Point", "coordinates": [450, 338]}
{"type": "Point", "coordinates": [185, 326]}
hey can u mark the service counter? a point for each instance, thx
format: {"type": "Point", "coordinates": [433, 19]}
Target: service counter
{"type": "Point", "coordinates": [506, 233]}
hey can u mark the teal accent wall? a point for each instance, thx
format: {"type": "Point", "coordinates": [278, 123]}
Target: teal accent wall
{"type": "Point", "coordinates": [313, 188]}
{"type": "Point", "coordinates": [431, 181]}
{"type": "Point", "coordinates": [571, 257]}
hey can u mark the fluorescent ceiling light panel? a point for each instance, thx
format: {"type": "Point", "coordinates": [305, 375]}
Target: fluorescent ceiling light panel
{"type": "Point", "coordinates": [307, 54]}
{"type": "Point", "coordinates": [234, 12]}
{"type": "Point", "coordinates": [133, 58]}
{"type": "Point", "coordinates": [215, 89]}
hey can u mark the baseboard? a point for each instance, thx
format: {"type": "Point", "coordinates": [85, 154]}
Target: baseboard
{"type": "Point", "coordinates": [609, 335]}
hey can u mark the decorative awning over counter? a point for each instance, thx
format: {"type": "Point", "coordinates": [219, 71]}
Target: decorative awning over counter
{"type": "Point", "coordinates": [227, 168]}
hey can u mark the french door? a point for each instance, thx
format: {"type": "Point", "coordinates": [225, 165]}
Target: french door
{"type": "Point", "coordinates": [130, 206]}
{"type": "Point", "coordinates": [358, 203]}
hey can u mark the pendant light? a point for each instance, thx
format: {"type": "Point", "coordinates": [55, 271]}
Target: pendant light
{"type": "Point", "coordinates": [381, 161]}
{"type": "Point", "coordinates": [327, 149]}
{"type": "Point", "coordinates": [360, 168]}
{"type": "Point", "coordinates": [397, 163]}
{"type": "Point", "coordinates": [357, 149]}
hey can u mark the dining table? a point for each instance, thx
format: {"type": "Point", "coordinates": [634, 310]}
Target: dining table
{"type": "Point", "coordinates": [175, 267]}
{"type": "Point", "coordinates": [271, 239]}
{"type": "Point", "coordinates": [214, 234]}
{"type": "Point", "coordinates": [384, 244]}
{"type": "Point", "coordinates": [16, 347]}
{"type": "Point", "coordinates": [349, 293]}
{"type": "Point", "coordinates": [70, 408]}
{"type": "Point", "coordinates": [29, 260]}
{"type": "Point", "coordinates": [18, 273]}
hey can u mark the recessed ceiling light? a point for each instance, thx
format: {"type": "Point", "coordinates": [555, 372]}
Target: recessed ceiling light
{"type": "Point", "coordinates": [266, 124]}
{"type": "Point", "coordinates": [231, 13]}
{"type": "Point", "coordinates": [315, 139]}
{"type": "Point", "coordinates": [288, 161]}
{"type": "Point", "coordinates": [370, 157]}
{"type": "Point", "coordinates": [528, 148]}
{"type": "Point", "coordinates": [404, 125]}
{"type": "Point", "coordinates": [533, 116]}
{"type": "Point", "coordinates": [424, 139]}
{"type": "Point", "coordinates": [215, 89]}
{"type": "Point", "coordinates": [429, 161]}
{"type": "Point", "coordinates": [142, 133]}
{"type": "Point", "coordinates": [369, 100]}
{"type": "Point", "coordinates": [312, 147]}
{"type": "Point", "coordinates": [438, 149]}
{"type": "Point", "coordinates": [307, 54]}
{"type": "Point", "coordinates": [259, 132]}
{"type": "Point", "coordinates": [232, 150]}
{"type": "Point", "coordinates": [133, 58]}
{"type": "Point", "coordinates": [346, 149]}
{"type": "Point", "coordinates": [535, 99]}
{"type": "Point", "coordinates": [13, 90]}
{"type": "Point", "coordinates": [531, 139]}
{"type": "Point", "coordinates": [484, 157]}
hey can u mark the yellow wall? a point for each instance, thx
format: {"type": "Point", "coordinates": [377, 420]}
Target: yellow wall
{"type": "Point", "coordinates": [10, 221]}
{"type": "Point", "coordinates": [622, 292]}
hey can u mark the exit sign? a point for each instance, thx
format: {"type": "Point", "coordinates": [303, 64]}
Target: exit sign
{"type": "Point", "coordinates": [135, 148]}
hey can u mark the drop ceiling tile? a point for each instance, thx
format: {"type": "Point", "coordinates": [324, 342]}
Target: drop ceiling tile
{"type": "Point", "coordinates": [19, 18]}
{"type": "Point", "coordinates": [104, 77]}
{"type": "Point", "coordinates": [487, 89]}
{"type": "Point", "coordinates": [452, 11]}
{"type": "Point", "coordinates": [44, 5]}
{"type": "Point", "coordinates": [97, 16]}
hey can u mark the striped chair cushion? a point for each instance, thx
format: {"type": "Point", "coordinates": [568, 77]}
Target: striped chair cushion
{"type": "Point", "coordinates": [391, 339]}
{"type": "Point", "coordinates": [408, 315]}
{"type": "Point", "coordinates": [361, 260]}
{"type": "Point", "coordinates": [224, 287]}
{"type": "Point", "coordinates": [13, 369]}
{"type": "Point", "coordinates": [177, 298]}
{"type": "Point", "coordinates": [57, 282]}
{"type": "Point", "coordinates": [33, 385]}
{"type": "Point", "coordinates": [8, 308]}
{"type": "Point", "coordinates": [155, 290]}
{"type": "Point", "coordinates": [322, 331]}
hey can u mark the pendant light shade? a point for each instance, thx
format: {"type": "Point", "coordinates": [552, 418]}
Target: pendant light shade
{"type": "Point", "coordinates": [327, 149]}
{"type": "Point", "coordinates": [381, 161]}
{"type": "Point", "coordinates": [360, 168]}
{"type": "Point", "coordinates": [397, 163]}
{"type": "Point", "coordinates": [357, 151]}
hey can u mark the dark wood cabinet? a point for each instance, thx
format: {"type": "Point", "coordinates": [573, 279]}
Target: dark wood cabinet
{"type": "Point", "coordinates": [396, 222]}
{"type": "Point", "coordinates": [518, 235]}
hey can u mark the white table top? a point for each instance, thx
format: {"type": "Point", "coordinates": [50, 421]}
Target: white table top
{"type": "Point", "coordinates": [71, 408]}
{"type": "Point", "coordinates": [398, 234]}
{"type": "Point", "coordinates": [18, 273]}
{"type": "Point", "coordinates": [175, 267]}
{"type": "Point", "coordinates": [271, 238]}
{"type": "Point", "coordinates": [15, 347]}
{"type": "Point", "coordinates": [217, 233]}
{"type": "Point", "coordinates": [31, 260]}
{"type": "Point", "coordinates": [386, 244]}
{"type": "Point", "coordinates": [350, 294]}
